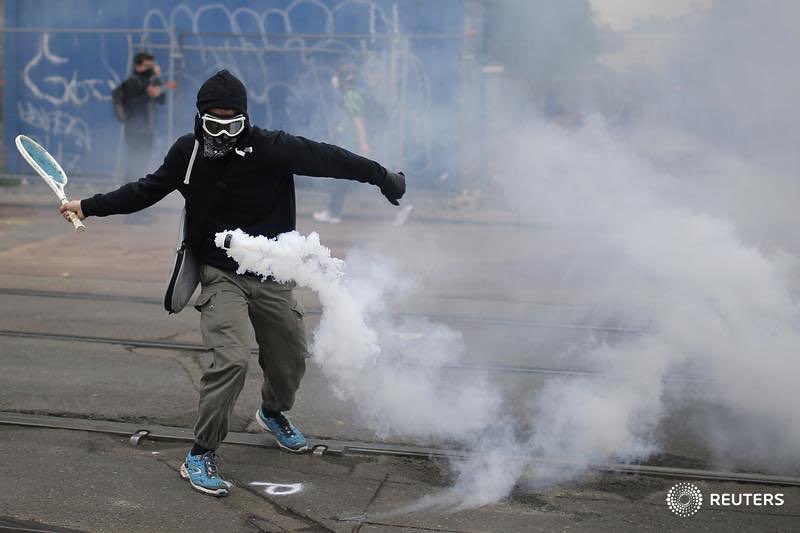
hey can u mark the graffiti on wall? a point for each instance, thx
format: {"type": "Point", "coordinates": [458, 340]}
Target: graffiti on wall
{"type": "Point", "coordinates": [58, 89]}
{"type": "Point", "coordinates": [51, 108]}
{"type": "Point", "coordinates": [290, 58]}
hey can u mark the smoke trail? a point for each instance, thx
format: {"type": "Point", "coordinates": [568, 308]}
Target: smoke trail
{"type": "Point", "coordinates": [393, 369]}
{"type": "Point", "coordinates": [343, 344]}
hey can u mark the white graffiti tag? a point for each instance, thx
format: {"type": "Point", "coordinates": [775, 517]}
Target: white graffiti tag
{"type": "Point", "coordinates": [64, 90]}
{"type": "Point", "coordinates": [288, 56]}
{"type": "Point", "coordinates": [56, 122]}
{"type": "Point", "coordinates": [278, 489]}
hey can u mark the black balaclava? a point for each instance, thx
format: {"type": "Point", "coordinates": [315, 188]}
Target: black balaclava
{"type": "Point", "coordinates": [222, 90]}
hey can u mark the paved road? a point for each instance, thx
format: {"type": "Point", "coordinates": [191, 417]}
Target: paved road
{"type": "Point", "coordinates": [96, 482]}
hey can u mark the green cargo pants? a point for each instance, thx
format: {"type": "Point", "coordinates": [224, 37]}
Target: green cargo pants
{"type": "Point", "coordinates": [229, 305]}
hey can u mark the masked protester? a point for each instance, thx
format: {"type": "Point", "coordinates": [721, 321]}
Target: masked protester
{"type": "Point", "coordinates": [134, 105]}
{"type": "Point", "coordinates": [241, 177]}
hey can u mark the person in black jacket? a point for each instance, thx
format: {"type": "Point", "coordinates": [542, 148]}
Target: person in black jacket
{"type": "Point", "coordinates": [134, 104]}
{"type": "Point", "coordinates": [241, 176]}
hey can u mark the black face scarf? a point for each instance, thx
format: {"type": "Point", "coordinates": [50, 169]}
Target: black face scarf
{"type": "Point", "coordinates": [218, 146]}
{"type": "Point", "coordinates": [146, 73]}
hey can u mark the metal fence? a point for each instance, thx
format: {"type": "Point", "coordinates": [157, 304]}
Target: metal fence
{"type": "Point", "coordinates": [58, 83]}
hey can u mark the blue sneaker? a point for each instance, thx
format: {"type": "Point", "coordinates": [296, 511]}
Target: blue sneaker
{"type": "Point", "coordinates": [289, 437]}
{"type": "Point", "coordinates": [202, 471]}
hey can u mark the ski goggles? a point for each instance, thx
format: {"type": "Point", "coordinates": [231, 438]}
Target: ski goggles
{"type": "Point", "coordinates": [215, 126]}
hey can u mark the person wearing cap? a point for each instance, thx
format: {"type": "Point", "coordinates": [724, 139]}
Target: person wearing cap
{"type": "Point", "coordinates": [241, 176]}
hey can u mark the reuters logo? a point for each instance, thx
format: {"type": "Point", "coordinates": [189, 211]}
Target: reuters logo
{"type": "Point", "coordinates": [684, 499]}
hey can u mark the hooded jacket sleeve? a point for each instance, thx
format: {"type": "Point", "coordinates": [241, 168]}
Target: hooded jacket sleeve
{"type": "Point", "coordinates": [137, 195]}
{"type": "Point", "coordinates": [310, 158]}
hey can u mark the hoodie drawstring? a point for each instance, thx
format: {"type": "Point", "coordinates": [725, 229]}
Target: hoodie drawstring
{"type": "Point", "coordinates": [191, 163]}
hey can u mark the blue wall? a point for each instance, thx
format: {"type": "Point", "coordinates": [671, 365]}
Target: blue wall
{"type": "Point", "coordinates": [58, 83]}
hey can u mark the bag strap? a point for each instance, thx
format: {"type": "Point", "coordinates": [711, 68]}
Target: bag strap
{"type": "Point", "coordinates": [200, 214]}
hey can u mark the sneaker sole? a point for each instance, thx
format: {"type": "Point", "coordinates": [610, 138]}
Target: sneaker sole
{"type": "Point", "coordinates": [327, 220]}
{"type": "Point", "coordinates": [219, 493]}
{"type": "Point", "coordinates": [263, 426]}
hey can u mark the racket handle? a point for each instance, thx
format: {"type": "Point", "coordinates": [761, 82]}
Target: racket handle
{"type": "Point", "coordinates": [76, 222]}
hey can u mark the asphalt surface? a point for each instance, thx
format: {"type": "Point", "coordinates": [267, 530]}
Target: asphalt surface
{"type": "Point", "coordinates": [56, 479]}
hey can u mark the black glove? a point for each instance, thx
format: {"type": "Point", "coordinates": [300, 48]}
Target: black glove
{"type": "Point", "coordinates": [394, 186]}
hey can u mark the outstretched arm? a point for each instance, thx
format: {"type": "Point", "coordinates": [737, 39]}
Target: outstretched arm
{"type": "Point", "coordinates": [135, 195]}
{"type": "Point", "coordinates": [310, 158]}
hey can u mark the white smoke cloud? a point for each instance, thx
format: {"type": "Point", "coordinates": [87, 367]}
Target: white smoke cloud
{"type": "Point", "coordinates": [669, 236]}
{"type": "Point", "coordinates": [625, 14]}
{"type": "Point", "coordinates": [720, 311]}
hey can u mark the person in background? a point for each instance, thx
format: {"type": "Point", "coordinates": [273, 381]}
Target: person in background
{"type": "Point", "coordinates": [134, 102]}
{"type": "Point", "coordinates": [351, 132]}
{"type": "Point", "coordinates": [358, 119]}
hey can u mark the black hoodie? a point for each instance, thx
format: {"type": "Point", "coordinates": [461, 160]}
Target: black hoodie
{"type": "Point", "coordinates": [251, 188]}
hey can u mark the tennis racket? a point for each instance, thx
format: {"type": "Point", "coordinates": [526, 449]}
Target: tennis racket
{"type": "Point", "coordinates": [49, 169]}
